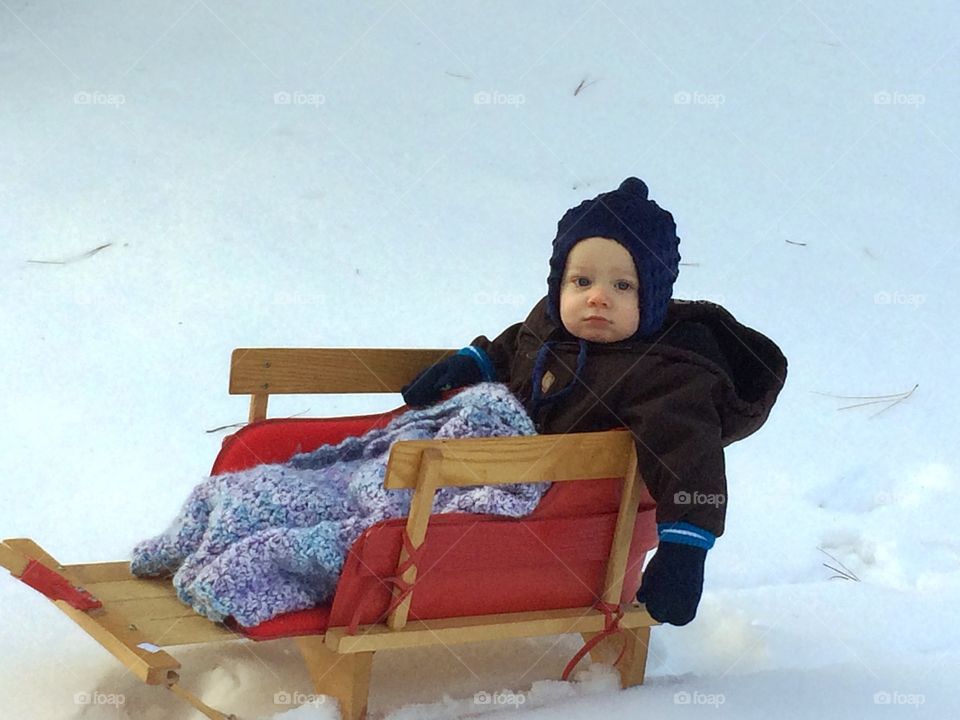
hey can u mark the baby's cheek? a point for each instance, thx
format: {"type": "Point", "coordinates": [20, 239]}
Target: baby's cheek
{"type": "Point", "coordinates": [567, 311]}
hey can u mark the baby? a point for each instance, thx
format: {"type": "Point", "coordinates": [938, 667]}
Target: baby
{"type": "Point", "coordinates": [608, 347]}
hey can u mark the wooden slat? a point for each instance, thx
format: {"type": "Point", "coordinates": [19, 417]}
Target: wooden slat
{"type": "Point", "coordinates": [479, 628]}
{"type": "Point", "coordinates": [418, 517]}
{"type": "Point", "coordinates": [151, 605]}
{"type": "Point", "coordinates": [187, 630]}
{"type": "Point", "coordinates": [132, 589]}
{"type": "Point", "coordinates": [326, 370]}
{"type": "Point", "coordinates": [153, 609]}
{"type": "Point", "coordinates": [88, 573]}
{"type": "Point", "coordinates": [500, 460]}
{"type": "Point", "coordinates": [623, 532]}
{"type": "Point", "coordinates": [138, 610]}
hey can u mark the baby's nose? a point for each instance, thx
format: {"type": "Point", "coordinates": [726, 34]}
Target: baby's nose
{"type": "Point", "coordinates": [598, 297]}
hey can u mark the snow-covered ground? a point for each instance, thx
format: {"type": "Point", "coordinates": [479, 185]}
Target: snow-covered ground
{"type": "Point", "coordinates": [391, 174]}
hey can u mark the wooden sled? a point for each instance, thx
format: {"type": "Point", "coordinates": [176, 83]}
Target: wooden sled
{"type": "Point", "coordinates": [573, 566]}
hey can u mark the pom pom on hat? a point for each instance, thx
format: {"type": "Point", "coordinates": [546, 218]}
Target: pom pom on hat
{"type": "Point", "coordinates": [646, 230]}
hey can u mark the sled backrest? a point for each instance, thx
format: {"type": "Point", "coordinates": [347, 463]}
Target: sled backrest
{"type": "Point", "coordinates": [261, 372]}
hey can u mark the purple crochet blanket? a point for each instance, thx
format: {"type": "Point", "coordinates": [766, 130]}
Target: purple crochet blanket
{"type": "Point", "coordinates": [273, 538]}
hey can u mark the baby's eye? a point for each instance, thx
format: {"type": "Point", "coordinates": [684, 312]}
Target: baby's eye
{"type": "Point", "coordinates": [624, 285]}
{"type": "Point", "coordinates": [581, 281]}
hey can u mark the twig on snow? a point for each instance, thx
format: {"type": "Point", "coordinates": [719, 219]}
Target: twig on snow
{"type": "Point", "coordinates": [891, 400]}
{"type": "Point", "coordinates": [583, 86]}
{"type": "Point", "coordinates": [845, 574]}
{"type": "Point", "coordinates": [82, 256]}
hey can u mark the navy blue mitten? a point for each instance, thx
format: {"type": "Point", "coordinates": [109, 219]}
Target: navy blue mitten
{"type": "Point", "coordinates": [468, 367]}
{"type": "Point", "coordinates": [673, 580]}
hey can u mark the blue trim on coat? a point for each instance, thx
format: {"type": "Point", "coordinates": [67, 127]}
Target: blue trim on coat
{"type": "Point", "coordinates": [482, 359]}
{"type": "Point", "coordinates": [685, 533]}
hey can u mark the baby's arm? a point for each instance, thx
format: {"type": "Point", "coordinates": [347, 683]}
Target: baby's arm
{"type": "Point", "coordinates": [499, 352]}
{"type": "Point", "coordinates": [677, 428]}
{"type": "Point", "coordinates": [680, 452]}
{"type": "Point", "coordinates": [482, 360]}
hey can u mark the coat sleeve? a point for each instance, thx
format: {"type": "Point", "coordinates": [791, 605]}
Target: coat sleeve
{"type": "Point", "coordinates": [677, 428]}
{"type": "Point", "coordinates": [501, 351]}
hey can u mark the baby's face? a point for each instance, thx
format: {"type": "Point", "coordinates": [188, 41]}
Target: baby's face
{"type": "Point", "coordinates": [599, 295]}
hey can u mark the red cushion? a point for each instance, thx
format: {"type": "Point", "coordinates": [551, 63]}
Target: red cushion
{"type": "Point", "coordinates": [313, 621]}
{"type": "Point", "coordinates": [557, 555]}
{"type": "Point", "coordinates": [277, 439]}
{"type": "Point", "coordinates": [552, 563]}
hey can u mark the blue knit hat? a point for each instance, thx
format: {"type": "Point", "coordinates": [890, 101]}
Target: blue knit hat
{"type": "Point", "coordinates": [645, 229]}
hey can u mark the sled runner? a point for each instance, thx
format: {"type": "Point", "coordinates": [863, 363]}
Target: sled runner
{"type": "Point", "coordinates": [572, 566]}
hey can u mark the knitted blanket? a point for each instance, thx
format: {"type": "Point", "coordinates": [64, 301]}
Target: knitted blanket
{"type": "Point", "coordinates": [274, 538]}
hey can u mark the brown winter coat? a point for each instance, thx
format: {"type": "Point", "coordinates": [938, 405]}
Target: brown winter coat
{"type": "Point", "coordinates": [700, 384]}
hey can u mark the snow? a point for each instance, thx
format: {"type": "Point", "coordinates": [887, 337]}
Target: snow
{"type": "Point", "coordinates": [391, 174]}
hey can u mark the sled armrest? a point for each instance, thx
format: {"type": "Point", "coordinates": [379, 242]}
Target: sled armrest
{"type": "Point", "coordinates": [505, 460]}
{"type": "Point", "coordinates": [261, 372]}
{"type": "Point", "coordinates": [426, 465]}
